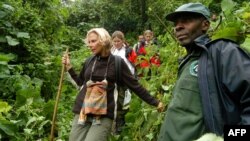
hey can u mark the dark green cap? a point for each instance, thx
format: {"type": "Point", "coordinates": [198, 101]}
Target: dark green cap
{"type": "Point", "coordinates": [192, 8]}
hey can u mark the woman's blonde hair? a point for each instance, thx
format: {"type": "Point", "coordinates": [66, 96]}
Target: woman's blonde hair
{"type": "Point", "coordinates": [103, 37]}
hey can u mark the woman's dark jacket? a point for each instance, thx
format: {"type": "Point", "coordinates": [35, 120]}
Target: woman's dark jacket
{"type": "Point", "coordinates": [98, 75]}
{"type": "Point", "coordinates": [224, 83]}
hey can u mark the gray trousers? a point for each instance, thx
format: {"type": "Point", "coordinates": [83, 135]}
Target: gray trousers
{"type": "Point", "coordinates": [89, 132]}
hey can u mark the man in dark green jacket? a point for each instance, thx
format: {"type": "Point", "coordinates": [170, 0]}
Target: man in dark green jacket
{"type": "Point", "coordinates": [213, 86]}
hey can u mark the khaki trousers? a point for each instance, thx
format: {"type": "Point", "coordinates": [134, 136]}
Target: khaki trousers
{"type": "Point", "coordinates": [89, 132]}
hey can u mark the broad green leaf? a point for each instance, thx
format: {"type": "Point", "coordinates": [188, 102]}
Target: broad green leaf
{"type": "Point", "coordinates": [40, 118]}
{"type": "Point", "coordinates": [246, 15]}
{"type": "Point", "coordinates": [27, 95]}
{"type": "Point", "coordinates": [165, 87]}
{"type": "Point", "coordinates": [15, 121]}
{"type": "Point", "coordinates": [42, 124]}
{"type": "Point", "coordinates": [38, 83]}
{"type": "Point", "coordinates": [246, 44]}
{"type": "Point", "coordinates": [4, 63]}
{"type": "Point", "coordinates": [23, 35]}
{"type": "Point", "coordinates": [8, 7]}
{"type": "Point", "coordinates": [48, 109]}
{"type": "Point", "coordinates": [12, 41]}
{"type": "Point", "coordinates": [20, 100]}
{"type": "Point", "coordinates": [130, 117]}
{"type": "Point", "coordinates": [150, 136]}
{"type": "Point", "coordinates": [2, 14]}
{"type": "Point", "coordinates": [4, 107]}
{"type": "Point", "coordinates": [4, 75]}
{"type": "Point", "coordinates": [29, 101]}
{"type": "Point", "coordinates": [4, 70]}
{"type": "Point", "coordinates": [31, 120]}
{"type": "Point", "coordinates": [27, 131]}
{"type": "Point", "coordinates": [7, 57]}
{"type": "Point", "coordinates": [7, 24]}
{"type": "Point", "coordinates": [227, 6]}
{"type": "Point", "coordinates": [232, 33]}
{"type": "Point", "coordinates": [8, 127]}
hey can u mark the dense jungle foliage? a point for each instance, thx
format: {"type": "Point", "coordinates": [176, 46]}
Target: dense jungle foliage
{"type": "Point", "coordinates": [35, 33]}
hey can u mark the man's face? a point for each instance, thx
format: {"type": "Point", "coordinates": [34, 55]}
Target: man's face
{"type": "Point", "coordinates": [187, 28]}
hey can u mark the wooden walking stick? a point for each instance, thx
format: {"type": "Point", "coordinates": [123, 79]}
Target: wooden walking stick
{"type": "Point", "coordinates": [57, 100]}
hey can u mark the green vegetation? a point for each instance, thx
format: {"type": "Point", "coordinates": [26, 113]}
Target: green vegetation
{"type": "Point", "coordinates": [34, 34]}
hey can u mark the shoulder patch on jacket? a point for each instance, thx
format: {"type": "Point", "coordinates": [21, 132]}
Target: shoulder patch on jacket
{"type": "Point", "coordinates": [194, 68]}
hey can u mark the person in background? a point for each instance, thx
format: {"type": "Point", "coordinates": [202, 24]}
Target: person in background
{"type": "Point", "coordinates": [213, 84]}
{"type": "Point", "coordinates": [96, 104]}
{"type": "Point", "coordinates": [141, 40]}
{"type": "Point", "coordinates": [148, 36]}
{"type": "Point", "coordinates": [120, 48]}
{"type": "Point", "coordinates": [150, 39]}
{"type": "Point", "coordinates": [150, 43]}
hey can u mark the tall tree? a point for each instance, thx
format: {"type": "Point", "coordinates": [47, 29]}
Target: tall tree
{"type": "Point", "coordinates": [144, 15]}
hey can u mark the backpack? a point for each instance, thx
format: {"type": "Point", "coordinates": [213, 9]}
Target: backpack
{"type": "Point", "coordinates": [120, 108]}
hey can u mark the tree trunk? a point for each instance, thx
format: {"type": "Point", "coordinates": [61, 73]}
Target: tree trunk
{"type": "Point", "coordinates": [144, 16]}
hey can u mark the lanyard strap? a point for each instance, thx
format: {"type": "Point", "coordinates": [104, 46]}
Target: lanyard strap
{"type": "Point", "coordinates": [93, 68]}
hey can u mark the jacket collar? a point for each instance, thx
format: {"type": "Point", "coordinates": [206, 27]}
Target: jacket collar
{"type": "Point", "coordinates": [202, 40]}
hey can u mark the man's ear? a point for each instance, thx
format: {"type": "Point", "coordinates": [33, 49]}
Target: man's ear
{"type": "Point", "coordinates": [205, 25]}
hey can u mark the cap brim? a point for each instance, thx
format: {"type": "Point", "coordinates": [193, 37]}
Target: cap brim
{"type": "Point", "coordinates": [175, 15]}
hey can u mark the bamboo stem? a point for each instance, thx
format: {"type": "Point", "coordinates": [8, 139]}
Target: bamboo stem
{"type": "Point", "coordinates": [57, 100]}
{"type": "Point", "coordinates": [165, 26]}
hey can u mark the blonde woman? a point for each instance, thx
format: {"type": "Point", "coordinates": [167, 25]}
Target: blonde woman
{"type": "Point", "coordinates": [95, 104]}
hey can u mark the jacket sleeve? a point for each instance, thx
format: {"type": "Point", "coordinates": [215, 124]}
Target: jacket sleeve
{"type": "Point", "coordinates": [235, 76]}
{"type": "Point", "coordinates": [133, 84]}
{"type": "Point", "coordinates": [79, 79]}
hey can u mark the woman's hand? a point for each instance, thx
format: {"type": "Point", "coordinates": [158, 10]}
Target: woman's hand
{"type": "Point", "coordinates": [160, 107]}
{"type": "Point", "coordinates": [66, 61]}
